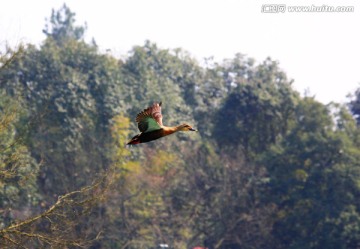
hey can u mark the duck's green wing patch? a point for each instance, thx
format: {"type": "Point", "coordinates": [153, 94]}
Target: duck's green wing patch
{"type": "Point", "coordinates": [150, 119]}
{"type": "Point", "coordinates": [148, 124]}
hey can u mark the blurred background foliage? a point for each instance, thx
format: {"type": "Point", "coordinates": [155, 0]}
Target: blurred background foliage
{"type": "Point", "coordinates": [267, 169]}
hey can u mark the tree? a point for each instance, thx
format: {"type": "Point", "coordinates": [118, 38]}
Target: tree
{"type": "Point", "coordinates": [220, 198]}
{"type": "Point", "coordinates": [258, 109]}
{"type": "Point", "coordinates": [60, 224]}
{"type": "Point", "coordinates": [354, 105]}
{"type": "Point", "coordinates": [18, 170]}
{"type": "Point", "coordinates": [61, 26]}
{"type": "Point", "coordinates": [73, 91]}
{"type": "Point", "coordinates": [313, 181]}
{"type": "Point", "coordinates": [27, 218]}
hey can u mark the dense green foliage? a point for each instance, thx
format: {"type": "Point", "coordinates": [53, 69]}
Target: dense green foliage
{"type": "Point", "coordinates": [267, 169]}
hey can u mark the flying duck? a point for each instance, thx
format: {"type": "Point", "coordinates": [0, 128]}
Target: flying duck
{"type": "Point", "coordinates": [151, 127]}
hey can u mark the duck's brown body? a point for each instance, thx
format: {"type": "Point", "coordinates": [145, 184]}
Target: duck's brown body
{"type": "Point", "coordinates": [147, 136]}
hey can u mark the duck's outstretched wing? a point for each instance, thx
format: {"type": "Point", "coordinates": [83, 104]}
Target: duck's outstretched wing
{"type": "Point", "coordinates": [150, 119]}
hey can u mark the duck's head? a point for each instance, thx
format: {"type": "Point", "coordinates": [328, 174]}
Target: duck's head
{"type": "Point", "coordinates": [186, 127]}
